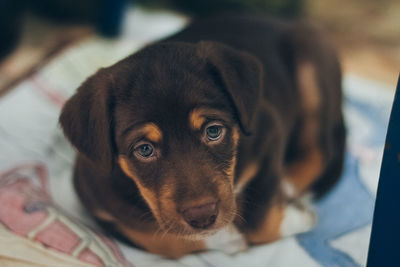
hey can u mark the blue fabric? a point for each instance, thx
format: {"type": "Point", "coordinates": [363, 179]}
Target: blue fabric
{"type": "Point", "coordinates": [347, 207]}
{"type": "Point", "coordinates": [350, 205]}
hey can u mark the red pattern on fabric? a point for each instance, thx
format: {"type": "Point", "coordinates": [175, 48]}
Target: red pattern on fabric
{"type": "Point", "coordinates": [59, 237]}
{"type": "Point", "coordinates": [88, 256]}
{"type": "Point", "coordinates": [12, 213]}
{"type": "Point", "coordinates": [26, 209]}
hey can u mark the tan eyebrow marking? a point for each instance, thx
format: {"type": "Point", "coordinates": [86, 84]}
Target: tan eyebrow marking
{"type": "Point", "coordinates": [152, 132]}
{"type": "Point", "coordinates": [199, 115]}
{"type": "Point", "coordinates": [196, 118]}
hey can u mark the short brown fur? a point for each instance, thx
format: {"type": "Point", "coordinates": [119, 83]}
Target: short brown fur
{"type": "Point", "coordinates": [269, 229]}
{"type": "Point", "coordinates": [310, 164]}
{"type": "Point", "coordinates": [163, 243]}
{"type": "Point", "coordinates": [273, 97]}
{"type": "Point", "coordinates": [147, 194]}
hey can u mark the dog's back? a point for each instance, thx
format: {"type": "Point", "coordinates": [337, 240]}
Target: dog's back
{"type": "Point", "coordinates": [302, 80]}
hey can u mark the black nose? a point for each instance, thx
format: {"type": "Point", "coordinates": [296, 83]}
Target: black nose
{"type": "Point", "coordinates": [201, 216]}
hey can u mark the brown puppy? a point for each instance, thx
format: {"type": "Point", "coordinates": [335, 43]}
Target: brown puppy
{"type": "Point", "coordinates": [226, 122]}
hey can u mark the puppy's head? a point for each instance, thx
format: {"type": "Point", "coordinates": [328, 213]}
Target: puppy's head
{"type": "Point", "coordinates": [170, 117]}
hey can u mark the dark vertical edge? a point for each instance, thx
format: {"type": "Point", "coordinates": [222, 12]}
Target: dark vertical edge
{"type": "Point", "coordinates": [384, 247]}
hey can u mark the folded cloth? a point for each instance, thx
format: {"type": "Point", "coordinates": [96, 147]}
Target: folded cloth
{"type": "Point", "coordinates": [29, 134]}
{"type": "Point", "coordinates": [43, 233]}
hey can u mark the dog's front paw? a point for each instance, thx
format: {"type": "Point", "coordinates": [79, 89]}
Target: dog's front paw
{"type": "Point", "coordinates": [228, 240]}
{"type": "Point", "coordinates": [298, 217]}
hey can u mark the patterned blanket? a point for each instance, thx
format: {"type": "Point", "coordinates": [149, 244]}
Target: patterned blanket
{"type": "Point", "coordinates": [42, 221]}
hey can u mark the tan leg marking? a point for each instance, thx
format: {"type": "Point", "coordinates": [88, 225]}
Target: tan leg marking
{"type": "Point", "coordinates": [168, 245]}
{"type": "Point", "coordinates": [308, 86]}
{"type": "Point", "coordinates": [270, 228]}
{"type": "Point", "coordinates": [302, 173]}
{"type": "Point", "coordinates": [283, 219]}
{"type": "Point", "coordinates": [246, 176]}
{"type": "Point", "coordinates": [308, 167]}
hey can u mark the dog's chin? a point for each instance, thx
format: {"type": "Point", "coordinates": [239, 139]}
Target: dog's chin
{"type": "Point", "coordinates": [201, 235]}
{"type": "Point", "coordinates": [187, 232]}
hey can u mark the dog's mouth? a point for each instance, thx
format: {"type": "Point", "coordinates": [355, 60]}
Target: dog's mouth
{"type": "Point", "coordinates": [197, 222]}
{"type": "Point", "coordinates": [188, 232]}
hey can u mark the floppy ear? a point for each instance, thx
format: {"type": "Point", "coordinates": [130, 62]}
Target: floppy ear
{"type": "Point", "coordinates": [86, 119]}
{"type": "Point", "coordinates": [240, 74]}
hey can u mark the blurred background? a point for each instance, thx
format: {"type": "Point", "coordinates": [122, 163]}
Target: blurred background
{"type": "Point", "coordinates": [33, 32]}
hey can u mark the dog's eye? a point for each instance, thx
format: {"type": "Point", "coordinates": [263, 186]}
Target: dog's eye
{"type": "Point", "coordinates": [214, 132]}
{"type": "Point", "coordinates": [144, 150]}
